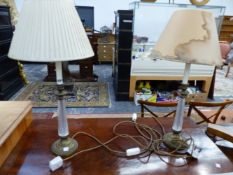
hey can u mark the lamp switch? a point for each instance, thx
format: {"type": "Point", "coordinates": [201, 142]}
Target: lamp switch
{"type": "Point", "coordinates": [133, 151]}
{"type": "Point", "coordinates": [134, 117]}
{"type": "Point", "coordinates": [55, 163]}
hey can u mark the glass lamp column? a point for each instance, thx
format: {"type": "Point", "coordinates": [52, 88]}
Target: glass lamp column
{"type": "Point", "coordinates": [174, 140]}
{"type": "Point", "coordinates": [65, 146]}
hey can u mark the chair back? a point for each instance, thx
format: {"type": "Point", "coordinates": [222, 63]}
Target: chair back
{"type": "Point", "coordinates": [145, 105]}
{"type": "Point", "coordinates": [199, 106]}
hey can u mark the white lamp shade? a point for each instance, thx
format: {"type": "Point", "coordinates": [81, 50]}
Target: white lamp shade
{"type": "Point", "coordinates": [49, 31]}
{"type": "Point", "coordinates": [190, 37]}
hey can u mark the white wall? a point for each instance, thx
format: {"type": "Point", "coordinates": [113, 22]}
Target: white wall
{"type": "Point", "coordinates": [104, 9]}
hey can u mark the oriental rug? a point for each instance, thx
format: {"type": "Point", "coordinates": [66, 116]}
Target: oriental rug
{"type": "Point", "coordinates": [78, 94]}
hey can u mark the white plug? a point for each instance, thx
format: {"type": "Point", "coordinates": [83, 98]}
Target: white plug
{"type": "Point", "coordinates": [134, 117]}
{"type": "Point", "coordinates": [55, 163]}
{"type": "Point", "coordinates": [133, 151]}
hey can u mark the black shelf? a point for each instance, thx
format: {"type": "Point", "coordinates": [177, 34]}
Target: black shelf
{"type": "Point", "coordinates": [10, 80]}
{"type": "Point", "coordinates": [123, 47]}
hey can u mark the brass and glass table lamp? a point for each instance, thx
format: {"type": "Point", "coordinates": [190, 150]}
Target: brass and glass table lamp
{"type": "Point", "coordinates": [189, 37]}
{"type": "Point", "coordinates": [51, 31]}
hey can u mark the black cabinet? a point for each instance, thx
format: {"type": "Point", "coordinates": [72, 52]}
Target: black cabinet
{"type": "Point", "coordinates": [10, 80]}
{"type": "Point", "coordinates": [122, 61]}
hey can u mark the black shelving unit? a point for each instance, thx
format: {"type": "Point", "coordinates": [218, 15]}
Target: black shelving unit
{"type": "Point", "coordinates": [123, 47]}
{"type": "Point", "coordinates": [10, 80]}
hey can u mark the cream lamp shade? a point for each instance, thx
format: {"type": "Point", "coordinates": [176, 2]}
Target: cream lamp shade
{"type": "Point", "coordinates": [190, 37]}
{"type": "Point", "coordinates": [49, 31]}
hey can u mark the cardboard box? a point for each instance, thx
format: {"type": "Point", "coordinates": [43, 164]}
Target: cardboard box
{"type": "Point", "coordinates": [198, 97]}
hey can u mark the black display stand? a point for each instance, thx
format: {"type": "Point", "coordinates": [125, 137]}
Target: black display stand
{"type": "Point", "coordinates": [10, 80]}
{"type": "Point", "coordinates": [122, 61]}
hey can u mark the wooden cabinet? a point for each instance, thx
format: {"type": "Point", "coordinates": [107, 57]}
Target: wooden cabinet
{"type": "Point", "coordinates": [106, 45]}
{"type": "Point", "coordinates": [105, 52]}
{"type": "Point", "coordinates": [226, 32]}
{"type": "Point", "coordinates": [10, 80]}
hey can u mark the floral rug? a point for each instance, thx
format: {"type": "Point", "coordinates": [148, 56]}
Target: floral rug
{"type": "Point", "coordinates": [78, 94]}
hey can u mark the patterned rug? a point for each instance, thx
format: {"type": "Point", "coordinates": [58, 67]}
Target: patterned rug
{"type": "Point", "coordinates": [78, 94]}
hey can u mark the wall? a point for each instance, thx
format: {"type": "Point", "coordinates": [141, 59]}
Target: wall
{"type": "Point", "coordinates": [104, 9]}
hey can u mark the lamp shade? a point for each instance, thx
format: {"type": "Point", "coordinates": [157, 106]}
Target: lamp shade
{"type": "Point", "coordinates": [190, 37]}
{"type": "Point", "coordinates": [49, 31]}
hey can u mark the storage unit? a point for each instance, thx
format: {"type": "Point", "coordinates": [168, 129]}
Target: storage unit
{"type": "Point", "coordinates": [10, 80]}
{"type": "Point", "coordinates": [106, 45]}
{"type": "Point", "coordinates": [226, 32]}
{"type": "Point", "coordinates": [122, 61]}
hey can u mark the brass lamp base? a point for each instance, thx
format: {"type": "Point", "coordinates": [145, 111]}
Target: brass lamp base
{"type": "Point", "coordinates": [175, 141]}
{"type": "Point", "coordinates": [64, 147]}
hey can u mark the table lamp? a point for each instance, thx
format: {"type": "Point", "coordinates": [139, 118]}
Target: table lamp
{"type": "Point", "coordinates": [189, 37]}
{"type": "Point", "coordinates": [51, 31]}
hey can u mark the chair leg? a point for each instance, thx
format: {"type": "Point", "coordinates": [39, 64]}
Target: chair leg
{"type": "Point", "coordinates": [189, 111]}
{"type": "Point", "coordinates": [228, 69]}
{"type": "Point", "coordinates": [142, 110]}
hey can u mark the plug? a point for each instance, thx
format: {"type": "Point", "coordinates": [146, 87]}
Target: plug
{"type": "Point", "coordinates": [134, 117]}
{"type": "Point", "coordinates": [55, 163]}
{"type": "Point", "coordinates": [133, 151]}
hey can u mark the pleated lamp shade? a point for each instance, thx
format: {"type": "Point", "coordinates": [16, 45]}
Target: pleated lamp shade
{"type": "Point", "coordinates": [49, 31]}
{"type": "Point", "coordinates": [190, 37]}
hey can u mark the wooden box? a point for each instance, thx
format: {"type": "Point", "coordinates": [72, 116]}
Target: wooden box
{"type": "Point", "coordinates": [15, 118]}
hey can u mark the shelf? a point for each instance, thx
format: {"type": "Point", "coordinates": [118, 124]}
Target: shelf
{"type": "Point", "coordinates": [226, 32]}
{"type": "Point", "coordinates": [10, 80]}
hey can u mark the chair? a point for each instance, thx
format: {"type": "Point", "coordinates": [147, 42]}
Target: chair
{"type": "Point", "coordinates": [212, 118]}
{"type": "Point", "coordinates": [227, 55]}
{"type": "Point", "coordinates": [229, 59]}
{"type": "Point", "coordinates": [145, 105]}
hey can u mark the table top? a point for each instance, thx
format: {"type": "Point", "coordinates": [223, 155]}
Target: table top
{"type": "Point", "coordinates": [12, 113]}
{"type": "Point", "coordinates": [33, 154]}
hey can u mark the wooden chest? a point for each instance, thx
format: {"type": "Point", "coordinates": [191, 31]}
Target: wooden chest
{"type": "Point", "coordinates": [105, 51]}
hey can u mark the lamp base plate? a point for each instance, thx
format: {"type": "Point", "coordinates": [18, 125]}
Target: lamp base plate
{"type": "Point", "coordinates": [175, 141]}
{"type": "Point", "coordinates": [64, 147]}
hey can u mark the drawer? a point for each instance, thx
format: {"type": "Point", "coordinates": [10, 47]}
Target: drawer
{"type": "Point", "coordinates": [102, 54]}
{"type": "Point", "coordinates": [105, 52]}
{"type": "Point", "coordinates": [106, 47]}
{"type": "Point", "coordinates": [103, 57]}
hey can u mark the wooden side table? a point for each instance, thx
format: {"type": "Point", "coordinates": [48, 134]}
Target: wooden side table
{"type": "Point", "coordinates": [15, 118]}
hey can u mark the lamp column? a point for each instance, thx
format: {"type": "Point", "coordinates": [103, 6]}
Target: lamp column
{"type": "Point", "coordinates": [173, 139]}
{"type": "Point", "coordinates": [65, 146]}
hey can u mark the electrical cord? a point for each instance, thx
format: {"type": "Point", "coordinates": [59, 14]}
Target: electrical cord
{"type": "Point", "coordinates": [149, 141]}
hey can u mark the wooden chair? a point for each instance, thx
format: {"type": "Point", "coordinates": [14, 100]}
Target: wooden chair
{"type": "Point", "coordinates": [212, 118]}
{"type": "Point", "coordinates": [145, 105]}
